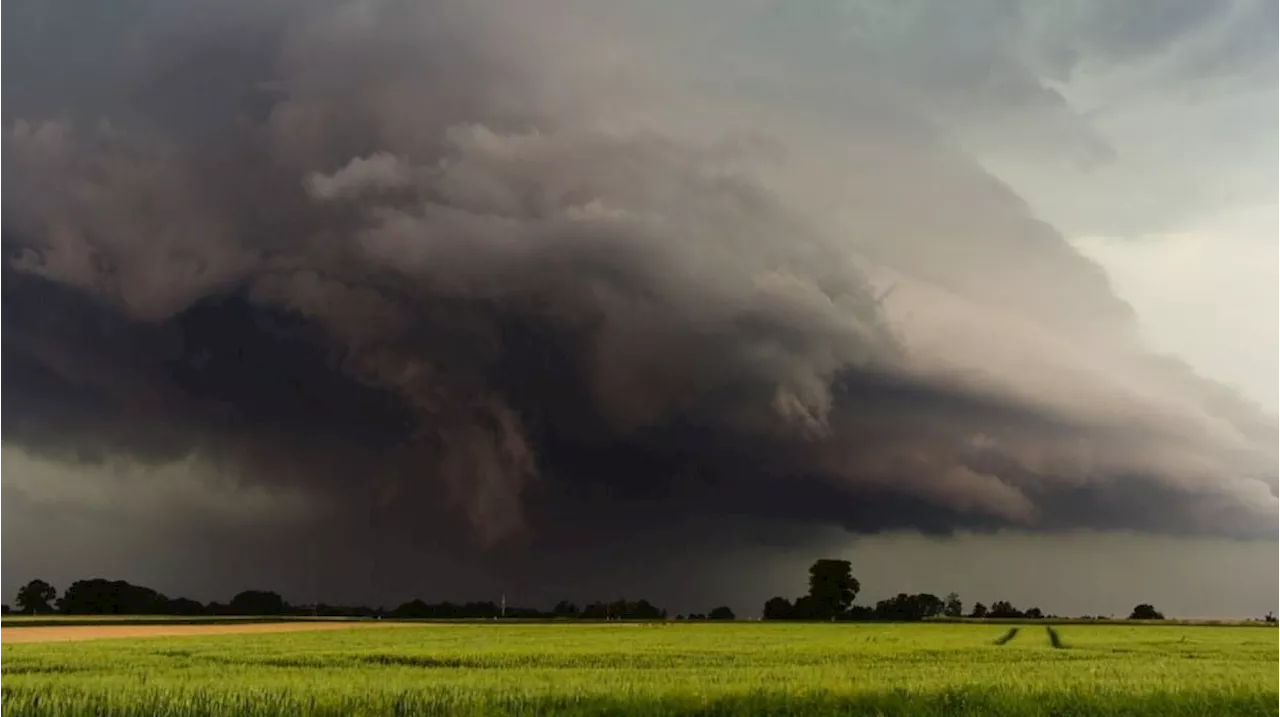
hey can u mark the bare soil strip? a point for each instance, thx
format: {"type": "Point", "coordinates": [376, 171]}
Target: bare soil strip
{"type": "Point", "coordinates": [106, 632]}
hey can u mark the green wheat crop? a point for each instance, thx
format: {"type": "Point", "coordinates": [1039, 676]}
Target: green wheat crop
{"type": "Point", "coordinates": [654, 669]}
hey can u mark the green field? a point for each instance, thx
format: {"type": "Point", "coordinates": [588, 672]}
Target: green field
{"type": "Point", "coordinates": [624, 669]}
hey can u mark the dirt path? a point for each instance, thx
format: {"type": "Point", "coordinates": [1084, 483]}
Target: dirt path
{"type": "Point", "coordinates": [14, 635]}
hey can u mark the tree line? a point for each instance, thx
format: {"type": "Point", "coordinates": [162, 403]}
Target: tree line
{"type": "Point", "coordinates": [97, 596]}
{"type": "Point", "coordinates": [833, 589]}
{"type": "Point", "coordinates": [831, 594]}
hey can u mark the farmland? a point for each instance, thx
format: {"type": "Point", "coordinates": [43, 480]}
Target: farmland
{"type": "Point", "coordinates": [620, 668]}
{"type": "Point", "coordinates": [24, 621]}
{"type": "Point", "coordinates": [115, 629]}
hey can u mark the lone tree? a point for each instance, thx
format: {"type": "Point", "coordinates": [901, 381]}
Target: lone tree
{"type": "Point", "coordinates": [564, 608]}
{"type": "Point", "coordinates": [35, 597]}
{"type": "Point", "coordinates": [778, 608]}
{"type": "Point", "coordinates": [979, 610]}
{"type": "Point", "coordinates": [832, 587]}
{"type": "Point", "coordinates": [1145, 612]}
{"type": "Point", "coordinates": [721, 613]}
{"type": "Point", "coordinates": [1003, 608]}
{"type": "Point", "coordinates": [953, 607]}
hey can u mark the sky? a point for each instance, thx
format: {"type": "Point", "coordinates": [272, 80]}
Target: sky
{"type": "Point", "coordinates": [366, 301]}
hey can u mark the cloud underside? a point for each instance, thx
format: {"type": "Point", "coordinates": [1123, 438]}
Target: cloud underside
{"type": "Point", "coordinates": [488, 279]}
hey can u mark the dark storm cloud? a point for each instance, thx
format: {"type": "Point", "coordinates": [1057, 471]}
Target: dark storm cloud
{"type": "Point", "coordinates": [470, 273]}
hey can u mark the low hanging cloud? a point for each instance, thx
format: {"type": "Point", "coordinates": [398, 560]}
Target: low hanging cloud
{"type": "Point", "coordinates": [493, 273]}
